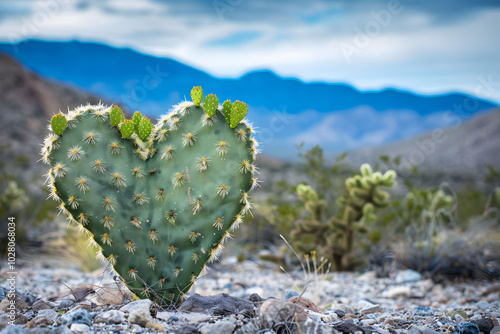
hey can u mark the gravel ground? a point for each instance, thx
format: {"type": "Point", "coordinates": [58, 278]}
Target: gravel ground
{"type": "Point", "coordinates": [250, 297]}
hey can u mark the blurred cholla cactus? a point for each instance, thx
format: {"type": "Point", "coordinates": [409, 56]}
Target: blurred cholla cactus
{"type": "Point", "coordinates": [335, 237]}
{"type": "Point", "coordinates": [12, 199]}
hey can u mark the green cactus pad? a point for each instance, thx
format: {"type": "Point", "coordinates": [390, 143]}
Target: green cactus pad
{"type": "Point", "coordinates": [238, 112]}
{"type": "Point", "coordinates": [211, 104]}
{"type": "Point", "coordinates": [136, 119]}
{"type": "Point", "coordinates": [226, 110]}
{"type": "Point", "coordinates": [159, 210]}
{"type": "Point", "coordinates": [197, 95]}
{"type": "Point", "coordinates": [144, 129]}
{"type": "Point", "coordinates": [116, 115]}
{"type": "Point", "coordinates": [58, 124]}
{"type": "Point", "coordinates": [127, 128]}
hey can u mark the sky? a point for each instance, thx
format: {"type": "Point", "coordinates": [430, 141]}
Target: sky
{"type": "Point", "coordinates": [425, 46]}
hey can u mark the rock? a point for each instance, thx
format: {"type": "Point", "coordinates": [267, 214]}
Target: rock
{"type": "Point", "coordinates": [397, 292]}
{"type": "Point", "coordinates": [39, 322]}
{"type": "Point", "coordinates": [49, 314]}
{"type": "Point", "coordinates": [141, 317]}
{"type": "Point", "coordinates": [28, 298]}
{"type": "Point", "coordinates": [188, 329]}
{"type": "Point", "coordinates": [79, 328]}
{"type": "Point", "coordinates": [40, 305]}
{"type": "Point", "coordinates": [348, 327]}
{"type": "Point", "coordinates": [110, 317]}
{"type": "Point", "coordinates": [408, 276]}
{"type": "Point", "coordinates": [367, 307]}
{"type": "Point", "coordinates": [275, 312]}
{"type": "Point", "coordinates": [108, 296]}
{"type": "Point", "coordinates": [422, 311]}
{"type": "Point", "coordinates": [192, 318]}
{"type": "Point", "coordinates": [220, 304]}
{"type": "Point", "coordinates": [485, 325]}
{"type": "Point", "coordinates": [66, 303]}
{"type": "Point", "coordinates": [307, 304]}
{"type": "Point", "coordinates": [220, 327]}
{"type": "Point", "coordinates": [344, 308]}
{"type": "Point", "coordinates": [19, 319]}
{"type": "Point", "coordinates": [142, 304]}
{"type": "Point", "coordinates": [482, 305]}
{"type": "Point", "coordinates": [467, 328]}
{"type": "Point", "coordinates": [13, 330]}
{"type": "Point", "coordinates": [79, 316]}
{"type": "Point", "coordinates": [495, 330]}
{"type": "Point", "coordinates": [15, 300]}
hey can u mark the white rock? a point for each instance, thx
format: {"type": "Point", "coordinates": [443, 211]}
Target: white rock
{"type": "Point", "coordinates": [192, 318]}
{"type": "Point", "coordinates": [397, 292]}
{"type": "Point", "coordinates": [79, 328]}
{"type": "Point", "coordinates": [110, 317]}
{"type": "Point", "coordinates": [143, 304]}
{"type": "Point", "coordinates": [220, 327]}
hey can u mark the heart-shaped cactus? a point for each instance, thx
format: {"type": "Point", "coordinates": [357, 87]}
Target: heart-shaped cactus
{"type": "Point", "coordinates": [159, 201]}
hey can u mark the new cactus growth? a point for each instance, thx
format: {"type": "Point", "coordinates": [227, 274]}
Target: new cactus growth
{"type": "Point", "coordinates": [335, 237]}
{"type": "Point", "coordinates": [160, 200]}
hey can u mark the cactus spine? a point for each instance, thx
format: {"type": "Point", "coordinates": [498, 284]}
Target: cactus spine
{"type": "Point", "coordinates": [160, 200]}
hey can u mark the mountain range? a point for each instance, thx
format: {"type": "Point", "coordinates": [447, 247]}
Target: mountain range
{"type": "Point", "coordinates": [285, 111]}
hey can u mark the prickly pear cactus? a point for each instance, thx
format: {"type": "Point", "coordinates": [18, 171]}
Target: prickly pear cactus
{"type": "Point", "coordinates": [159, 201]}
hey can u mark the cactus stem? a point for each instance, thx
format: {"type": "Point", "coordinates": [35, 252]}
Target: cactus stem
{"type": "Point", "coordinates": [171, 217]}
{"type": "Point", "coordinates": [108, 222]}
{"type": "Point", "coordinates": [137, 172]}
{"type": "Point", "coordinates": [178, 179]}
{"type": "Point", "coordinates": [106, 239]}
{"type": "Point", "coordinates": [223, 190]}
{"type": "Point", "coordinates": [219, 223]}
{"type": "Point", "coordinates": [82, 219]}
{"type": "Point", "coordinates": [99, 166]}
{"type": "Point", "coordinates": [152, 262]}
{"type": "Point", "coordinates": [159, 196]}
{"type": "Point", "coordinates": [75, 153]}
{"type": "Point", "coordinates": [115, 148]}
{"type": "Point", "coordinates": [133, 273]}
{"type": "Point", "coordinates": [172, 250]}
{"type": "Point", "coordinates": [222, 148]}
{"type": "Point", "coordinates": [189, 139]}
{"type": "Point", "coordinates": [202, 164]}
{"type": "Point", "coordinates": [73, 202]}
{"type": "Point", "coordinates": [81, 184]}
{"type": "Point", "coordinates": [207, 120]}
{"type": "Point", "coordinates": [177, 271]}
{"type": "Point", "coordinates": [130, 246]}
{"type": "Point", "coordinates": [241, 135]}
{"type": "Point", "coordinates": [175, 123]}
{"type": "Point", "coordinates": [90, 137]}
{"type": "Point", "coordinates": [136, 222]}
{"type": "Point", "coordinates": [196, 206]}
{"type": "Point", "coordinates": [245, 167]}
{"type": "Point", "coordinates": [195, 257]}
{"type": "Point", "coordinates": [112, 259]}
{"type": "Point", "coordinates": [59, 170]}
{"type": "Point", "coordinates": [118, 180]}
{"type": "Point", "coordinates": [140, 199]}
{"type": "Point", "coordinates": [237, 222]}
{"type": "Point", "coordinates": [108, 204]}
{"type": "Point", "coordinates": [193, 236]}
{"type": "Point", "coordinates": [168, 152]}
{"type": "Point", "coordinates": [153, 236]}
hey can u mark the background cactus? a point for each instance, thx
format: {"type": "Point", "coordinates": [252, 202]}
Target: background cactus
{"type": "Point", "coordinates": [159, 204]}
{"type": "Point", "coordinates": [335, 237]}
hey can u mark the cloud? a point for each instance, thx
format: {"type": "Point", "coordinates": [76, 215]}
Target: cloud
{"type": "Point", "coordinates": [426, 47]}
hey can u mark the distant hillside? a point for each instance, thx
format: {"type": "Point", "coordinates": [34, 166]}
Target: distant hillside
{"type": "Point", "coordinates": [466, 147]}
{"type": "Point", "coordinates": [26, 103]}
{"type": "Point", "coordinates": [286, 110]}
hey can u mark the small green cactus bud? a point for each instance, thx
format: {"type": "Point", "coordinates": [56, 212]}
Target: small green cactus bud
{"type": "Point", "coordinates": [144, 129]}
{"type": "Point", "coordinates": [389, 178]}
{"type": "Point", "coordinates": [210, 105]}
{"type": "Point", "coordinates": [136, 119]}
{"type": "Point", "coordinates": [306, 193]}
{"type": "Point", "coordinates": [226, 110]}
{"type": "Point", "coordinates": [197, 95]}
{"type": "Point", "coordinates": [127, 128]}
{"type": "Point", "coordinates": [238, 113]}
{"type": "Point", "coordinates": [58, 123]}
{"type": "Point", "coordinates": [116, 115]}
